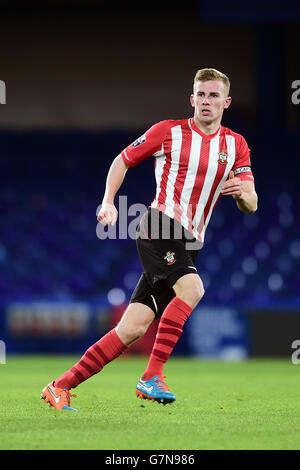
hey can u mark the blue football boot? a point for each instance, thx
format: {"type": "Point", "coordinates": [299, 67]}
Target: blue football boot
{"type": "Point", "coordinates": [154, 389]}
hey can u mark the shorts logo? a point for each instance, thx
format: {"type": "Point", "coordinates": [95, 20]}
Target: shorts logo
{"type": "Point", "coordinates": [139, 141]}
{"type": "Point", "coordinates": [170, 258]}
{"type": "Point", "coordinates": [222, 157]}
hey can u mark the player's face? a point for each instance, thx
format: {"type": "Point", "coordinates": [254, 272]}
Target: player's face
{"type": "Point", "coordinates": [209, 100]}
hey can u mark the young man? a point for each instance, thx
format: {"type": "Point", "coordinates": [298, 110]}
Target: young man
{"type": "Point", "coordinates": [196, 161]}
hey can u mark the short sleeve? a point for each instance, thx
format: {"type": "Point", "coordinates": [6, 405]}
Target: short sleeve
{"type": "Point", "coordinates": [149, 144]}
{"type": "Point", "coordinates": [242, 165]}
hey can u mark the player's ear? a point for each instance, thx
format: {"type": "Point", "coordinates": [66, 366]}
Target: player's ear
{"type": "Point", "coordinates": [192, 100]}
{"type": "Point", "coordinates": [227, 102]}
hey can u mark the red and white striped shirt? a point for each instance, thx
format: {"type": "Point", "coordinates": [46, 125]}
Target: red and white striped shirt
{"type": "Point", "coordinates": [190, 168]}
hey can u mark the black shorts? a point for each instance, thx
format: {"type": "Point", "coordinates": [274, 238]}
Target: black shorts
{"type": "Point", "coordinates": [167, 252]}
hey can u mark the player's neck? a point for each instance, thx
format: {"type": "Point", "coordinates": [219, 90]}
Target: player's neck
{"type": "Point", "coordinates": [207, 128]}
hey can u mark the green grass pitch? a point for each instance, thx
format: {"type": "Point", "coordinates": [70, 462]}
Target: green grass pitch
{"type": "Point", "coordinates": [253, 404]}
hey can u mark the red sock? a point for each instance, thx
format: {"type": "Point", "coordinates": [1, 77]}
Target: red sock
{"type": "Point", "coordinates": [168, 333]}
{"type": "Point", "coordinates": [94, 359]}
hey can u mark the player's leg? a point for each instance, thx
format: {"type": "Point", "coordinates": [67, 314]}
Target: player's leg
{"type": "Point", "coordinates": [167, 260]}
{"type": "Point", "coordinates": [189, 288]}
{"type": "Point", "coordinates": [188, 292]}
{"type": "Point", "coordinates": [134, 323]}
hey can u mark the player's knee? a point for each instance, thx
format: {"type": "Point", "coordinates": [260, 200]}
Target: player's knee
{"type": "Point", "coordinates": [194, 296]}
{"type": "Point", "coordinates": [189, 289]}
{"type": "Point", "coordinates": [131, 333]}
{"type": "Point", "coordinates": [140, 330]}
{"type": "Point", "coordinates": [134, 323]}
{"type": "Point", "coordinates": [201, 292]}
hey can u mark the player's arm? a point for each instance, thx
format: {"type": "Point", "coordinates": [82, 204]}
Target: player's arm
{"type": "Point", "coordinates": [108, 213]}
{"type": "Point", "coordinates": [240, 183]}
{"type": "Point", "coordinates": [242, 191]}
{"type": "Point", "coordinates": [247, 201]}
{"type": "Point", "coordinates": [145, 146]}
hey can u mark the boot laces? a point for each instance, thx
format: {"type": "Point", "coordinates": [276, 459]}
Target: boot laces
{"type": "Point", "coordinates": [68, 395]}
{"type": "Point", "coordinates": [161, 384]}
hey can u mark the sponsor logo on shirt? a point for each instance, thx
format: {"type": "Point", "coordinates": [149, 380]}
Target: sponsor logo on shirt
{"type": "Point", "coordinates": [139, 141]}
{"type": "Point", "coordinates": [222, 157]}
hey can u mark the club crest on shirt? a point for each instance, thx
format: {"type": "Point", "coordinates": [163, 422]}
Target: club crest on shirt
{"type": "Point", "coordinates": [170, 257]}
{"type": "Point", "coordinates": [139, 141]}
{"type": "Point", "coordinates": [223, 157]}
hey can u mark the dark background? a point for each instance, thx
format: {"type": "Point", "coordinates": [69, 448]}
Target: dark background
{"type": "Point", "coordinates": [86, 78]}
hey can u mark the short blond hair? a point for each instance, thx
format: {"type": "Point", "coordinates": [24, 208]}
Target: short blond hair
{"type": "Point", "coordinates": [204, 75]}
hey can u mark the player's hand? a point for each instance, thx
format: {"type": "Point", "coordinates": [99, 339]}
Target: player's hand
{"type": "Point", "coordinates": [232, 187]}
{"type": "Point", "coordinates": [108, 214]}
